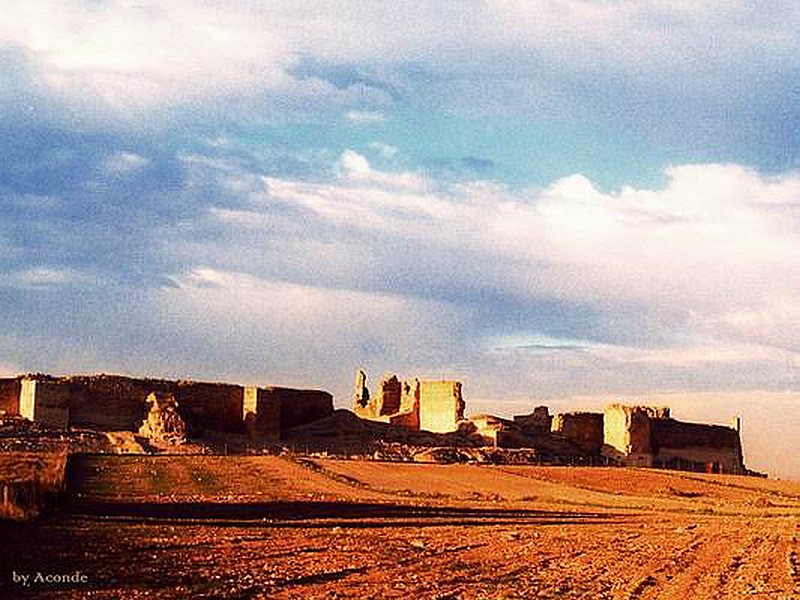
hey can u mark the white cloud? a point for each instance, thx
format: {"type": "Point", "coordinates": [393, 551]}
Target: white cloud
{"type": "Point", "coordinates": [132, 55]}
{"type": "Point", "coordinates": [354, 164]}
{"type": "Point", "coordinates": [365, 117]}
{"type": "Point", "coordinates": [123, 163]}
{"type": "Point", "coordinates": [140, 55]}
{"type": "Point", "coordinates": [368, 199]}
{"type": "Point", "coordinates": [711, 257]}
{"type": "Point", "coordinates": [707, 240]}
{"type": "Point", "coordinates": [48, 277]}
{"type": "Point", "coordinates": [356, 168]}
{"type": "Point", "coordinates": [703, 38]}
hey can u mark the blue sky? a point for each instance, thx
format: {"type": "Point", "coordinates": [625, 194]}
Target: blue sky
{"type": "Point", "coordinates": [544, 199]}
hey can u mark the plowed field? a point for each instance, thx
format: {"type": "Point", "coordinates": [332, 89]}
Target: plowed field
{"type": "Point", "coordinates": [268, 527]}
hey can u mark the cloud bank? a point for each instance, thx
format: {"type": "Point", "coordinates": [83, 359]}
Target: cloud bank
{"type": "Point", "coordinates": [561, 289]}
{"type": "Point", "coordinates": [119, 58]}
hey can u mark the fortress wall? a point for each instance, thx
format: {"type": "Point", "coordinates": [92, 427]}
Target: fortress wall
{"type": "Point", "coordinates": [615, 429]}
{"type": "Point", "coordinates": [298, 407]}
{"type": "Point", "coordinates": [262, 414]}
{"type": "Point", "coordinates": [406, 419]}
{"type": "Point", "coordinates": [27, 397]}
{"type": "Point", "coordinates": [697, 442]}
{"type": "Point", "coordinates": [109, 402]}
{"type": "Point", "coordinates": [434, 406]}
{"type": "Point", "coordinates": [384, 403]}
{"type": "Point", "coordinates": [585, 429]}
{"type": "Point", "coordinates": [724, 460]}
{"type": "Point", "coordinates": [53, 403]}
{"type": "Point", "coordinates": [539, 420]}
{"type": "Point", "coordinates": [491, 430]}
{"type": "Point", "coordinates": [209, 406]}
{"type": "Point", "coordinates": [627, 428]}
{"type": "Point", "coordinates": [440, 406]}
{"type": "Point", "coordinates": [677, 434]}
{"type": "Point", "coordinates": [250, 411]}
{"type": "Point", "coordinates": [408, 409]}
{"type": "Point", "coordinates": [640, 430]}
{"type": "Point", "coordinates": [46, 402]}
{"type": "Point", "coordinates": [361, 395]}
{"type": "Point", "coordinates": [9, 395]}
{"type": "Point", "coordinates": [114, 403]}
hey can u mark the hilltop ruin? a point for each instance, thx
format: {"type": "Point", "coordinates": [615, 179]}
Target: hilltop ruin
{"type": "Point", "coordinates": [118, 403]}
{"type": "Point", "coordinates": [643, 436]}
{"type": "Point", "coordinates": [411, 413]}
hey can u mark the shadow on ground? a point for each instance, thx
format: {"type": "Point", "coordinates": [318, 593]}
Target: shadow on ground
{"type": "Point", "coordinates": [299, 513]}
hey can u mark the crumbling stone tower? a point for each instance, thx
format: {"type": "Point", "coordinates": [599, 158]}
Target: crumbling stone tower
{"type": "Point", "coordinates": [435, 406]}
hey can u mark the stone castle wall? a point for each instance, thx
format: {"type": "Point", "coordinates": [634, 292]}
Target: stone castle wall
{"type": "Point", "coordinates": [382, 405]}
{"type": "Point", "coordinates": [677, 434]}
{"type": "Point", "coordinates": [209, 406]}
{"type": "Point", "coordinates": [716, 446]}
{"type": "Point", "coordinates": [390, 391]}
{"type": "Point", "coordinates": [700, 458]}
{"type": "Point", "coordinates": [626, 431]}
{"type": "Point", "coordinates": [261, 414]}
{"type": "Point", "coordinates": [647, 436]}
{"type": "Point", "coordinates": [539, 420]}
{"type": "Point", "coordinates": [298, 407]}
{"type": "Point", "coordinates": [441, 406]}
{"type": "Point", "coordinates": [492, 430]}
{"type": "Point", "coordinates": [585, 429]}
{"type": "Point", "coordinates": [117, 403]}
{"type": "Point", "coordinates": [408, 419]}
{"type": "Point", "coordinates": [107, 403]}
{"type": "Point", "coordinates": [45, 402]}
{"type": "Point", "coordinates": [9, 395]}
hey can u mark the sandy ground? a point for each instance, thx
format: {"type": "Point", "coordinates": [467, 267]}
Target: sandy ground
{"type": "Point", "coordinates": [268, 527]}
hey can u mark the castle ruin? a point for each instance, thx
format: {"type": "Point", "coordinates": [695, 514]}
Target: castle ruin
{"type": "Point", "coordinates": [118, 403]}
{"type": "Point", "coordinates": [642, 436]}
{"type": "Point", "coordinates": [648, 436]}
{"type": "Point", "coordinates": [427, 405]}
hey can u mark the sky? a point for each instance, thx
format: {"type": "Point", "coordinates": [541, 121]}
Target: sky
{"type": "Point", "coordinates": [553, 201]}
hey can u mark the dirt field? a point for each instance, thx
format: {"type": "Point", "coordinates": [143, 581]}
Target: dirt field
{"type": "Point", "coordinates": [27, 479]}
{"type": "Point", "coordinates": [268, 527]}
